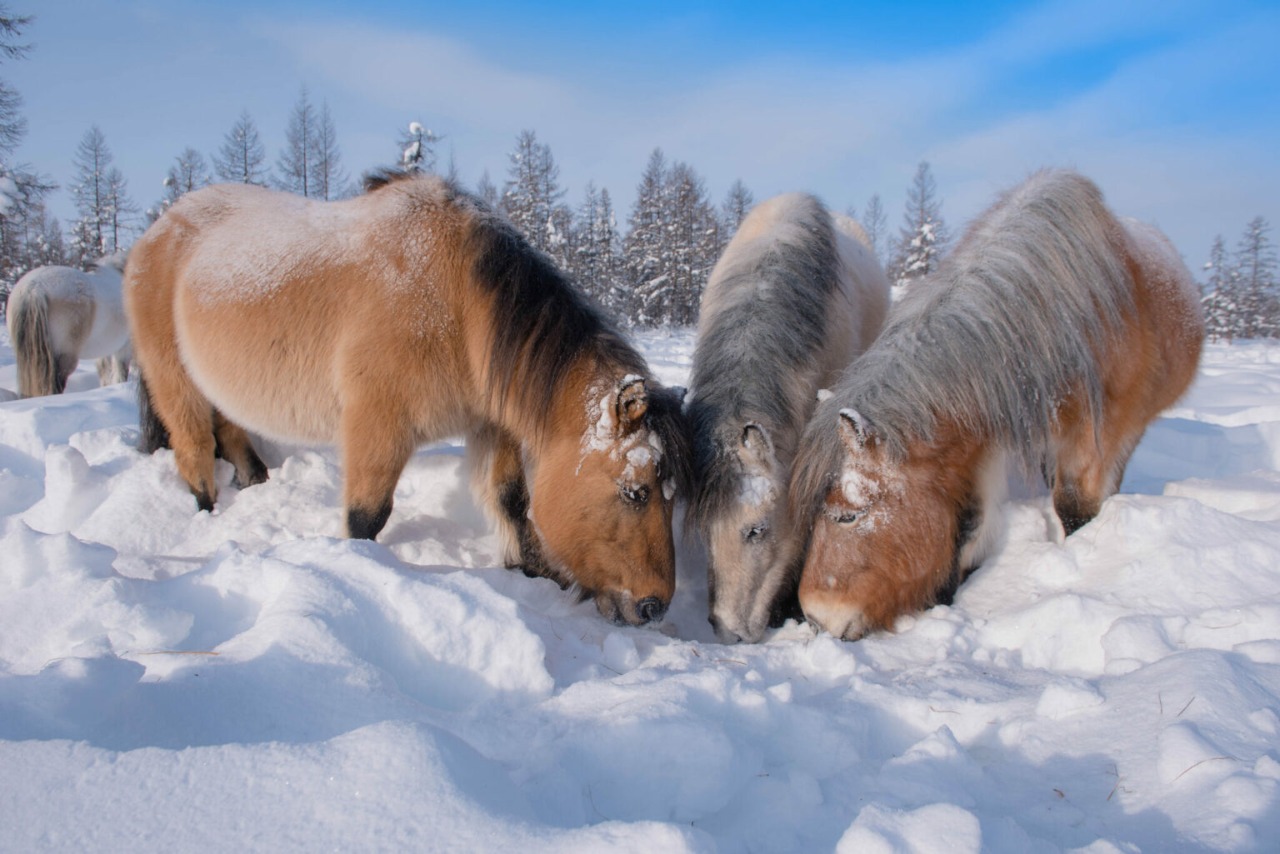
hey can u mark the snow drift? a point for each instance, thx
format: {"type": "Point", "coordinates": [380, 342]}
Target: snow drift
{"type": "Point", "coordinates": [174, 680]}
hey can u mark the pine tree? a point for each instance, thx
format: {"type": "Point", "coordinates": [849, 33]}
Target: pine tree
{"type": "Point", "coordinates": [923, 237]}
{"type": "Point", "coordinates": [1255, 264]}
{"type": "Point", "coordinates": [240, 159]}
{"type": "Point", "coordinates": [417, 149]}
{"type": "Point", "coordinates": [596, 262]}
{"type": "Point", "coordinates": [101, 198]}
{"type": "Point", "coordinates": [531, 197]}
{"type": "Point", "coordinates": [693, 236]}
{"type": "Point", "coordinates": [875, 223]}
{"type": "Point", "coordinates": [645, 246]}
{"type": "Point", "coordinates": [294, 168]}
{"type": "Point", "coordinates": [328, 180]}
{"type": "Point", "coordinates": [1218, 296]}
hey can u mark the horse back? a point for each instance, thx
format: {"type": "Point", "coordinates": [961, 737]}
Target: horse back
{"type": "Point", "coordinates": [286, 311]}
{"type": "Point", "coordinates": [1167, 321]}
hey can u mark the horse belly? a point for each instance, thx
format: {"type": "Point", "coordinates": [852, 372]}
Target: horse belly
{"type": "Point", "coordinates": [261, 373]}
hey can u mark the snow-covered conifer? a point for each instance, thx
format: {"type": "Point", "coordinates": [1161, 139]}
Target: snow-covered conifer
{"type": "Point", "coordinates": [923, 237]}
{"type": "Point", "coordinates": [417, 148]}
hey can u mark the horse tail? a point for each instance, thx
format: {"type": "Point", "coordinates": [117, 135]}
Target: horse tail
{"type": "Point", "coordinates": [154, 434]}
{"type": "Point", "coordinates": [38, 372]}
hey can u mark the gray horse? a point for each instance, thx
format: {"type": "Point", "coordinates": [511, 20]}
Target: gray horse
{"type": "Point", "coordinates": [795, 297]}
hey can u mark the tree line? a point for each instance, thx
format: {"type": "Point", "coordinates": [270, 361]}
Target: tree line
{"type": "Point", "coordinates": [649, 274]}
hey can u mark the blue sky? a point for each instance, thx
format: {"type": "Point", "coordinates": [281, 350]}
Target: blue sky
{"type": "Point", "coordinates": [1173, 107]}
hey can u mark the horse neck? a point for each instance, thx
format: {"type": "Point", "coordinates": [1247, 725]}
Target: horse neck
{"type": "Point", "coordinates": [573, 413]}
{"type": "Point", "coordinates": [952, 457]}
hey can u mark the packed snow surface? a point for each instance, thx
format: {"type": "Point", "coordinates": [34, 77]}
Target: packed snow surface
{"type": "Point", "coordinates": [248, 680]}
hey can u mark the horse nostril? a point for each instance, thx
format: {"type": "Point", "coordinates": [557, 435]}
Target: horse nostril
{"type": "Point", "coordinates": [650, 609]}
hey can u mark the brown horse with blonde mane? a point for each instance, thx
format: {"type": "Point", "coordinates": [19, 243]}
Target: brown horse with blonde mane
{"type": "Point", "coordinates": [1054, 334]}
{"type": "Point", "coordinates": [400, 317]}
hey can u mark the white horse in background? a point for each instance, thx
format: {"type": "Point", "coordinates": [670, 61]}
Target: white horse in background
{"type": "Point", "coordinates": [60, 315]}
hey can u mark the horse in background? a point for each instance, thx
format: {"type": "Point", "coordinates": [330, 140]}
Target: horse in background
{"type": "Point", "coordinates": [795, 296]}
{"type": "Point", "coordinates": [403, 316]}
{"type": "Point", "coordinates": [1052, 336]}
{"type": "Point", "coordinates": [60, 315]}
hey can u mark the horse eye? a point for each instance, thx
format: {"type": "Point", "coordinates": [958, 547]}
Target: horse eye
{"type": "Point", "coordinates": [755, 533]}
{"type": "Point", "coordinates": [847, 517]}
{"type": "Point", "coordinates": [638, 494]}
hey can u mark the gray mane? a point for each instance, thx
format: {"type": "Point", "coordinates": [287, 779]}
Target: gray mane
{"type": "Point", "coordinates": [997, 336]}
{"type": "Point", "coordinates": [766, 329]}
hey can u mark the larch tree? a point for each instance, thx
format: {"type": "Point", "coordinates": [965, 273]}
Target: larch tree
{"type": "Point", "coordinates": [294, 169]}
{"type": "Point", "coordinates": [328, 179]}
{"type": "Point", "coordinates": [487, 191]}
{"type": "Point", "coordinates": [23, 223]}
{"type": "Point", "coordinates": [875, 222]}
{"type": "Point", "coordinates": [188, 172]}
{"type": "Point", "coordinates": [735, 207]}
{"type": "Point", "coordinates": [242, 157]}
{"type": "Point", "coordinates": [923, 237]}
{"type": "Point", "coordinates": [101, 198]}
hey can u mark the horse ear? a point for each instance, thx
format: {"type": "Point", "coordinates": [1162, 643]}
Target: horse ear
{"type": "Point", "coordinates": [756, 442]}
{"type": "Point", "coordinates": [633, 402]}
{"type": "Point", "coordinates": [855, 432]}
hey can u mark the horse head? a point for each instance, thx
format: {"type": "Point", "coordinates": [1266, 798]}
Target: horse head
{"type": "Point", "coordinates": [601, 498]}
{"type": "Point", "coordinates": [750, 539]}
{"type": "Point", "coordinates": [879, 525]}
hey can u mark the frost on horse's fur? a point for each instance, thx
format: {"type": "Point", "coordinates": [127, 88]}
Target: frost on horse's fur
{"type": "Point", "coordinates": [1054, 334]}
{"type": "Point", "coordinates": [795, 296]}
{"type": "Point", "coordinates": [408, 314]}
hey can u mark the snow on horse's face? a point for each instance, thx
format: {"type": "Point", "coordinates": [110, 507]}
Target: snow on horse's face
{"type": "Point", "coordinates": [601, 502]}
{"type": "Point", "coordinates": [881, 527]}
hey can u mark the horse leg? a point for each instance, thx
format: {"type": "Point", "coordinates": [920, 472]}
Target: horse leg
{"type": "Point", "coordinates": [1089, 469]}
{"type": "Point", "coordinates": [234, 446]}
{"type": "Point", "coordinates": [187, 416]}
{"type": "Point", "coordinates": [376, 446]}
{"type": "Point", "coordinates": [497, 479]}
{"type": "Point", "coordinates": [64, 366]}
{"type": "Point", "coordinates": [153, 434]}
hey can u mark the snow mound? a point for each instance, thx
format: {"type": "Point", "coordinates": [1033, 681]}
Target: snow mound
{"type": "Point", "coordinates": [177, 680]}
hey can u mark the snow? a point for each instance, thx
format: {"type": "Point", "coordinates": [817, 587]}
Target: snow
{"type": "Point", "coordinates": [248, 680]}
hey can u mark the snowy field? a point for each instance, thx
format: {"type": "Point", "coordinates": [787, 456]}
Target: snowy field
{"type": "Point", "coordinates": [248, 680]}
